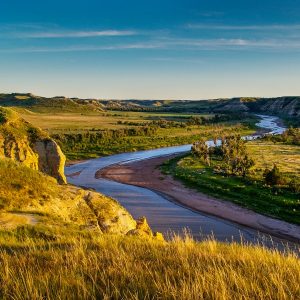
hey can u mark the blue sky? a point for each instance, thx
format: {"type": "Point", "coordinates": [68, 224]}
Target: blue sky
{"type": "Point", "coordinates": [150, 49]}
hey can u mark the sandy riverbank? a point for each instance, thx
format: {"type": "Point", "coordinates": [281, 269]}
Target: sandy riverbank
{"type": "Point", "coordinates": [146, 174]}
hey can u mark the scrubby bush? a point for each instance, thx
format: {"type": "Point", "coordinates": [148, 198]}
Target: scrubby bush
{"type": "Point", "coordinates": [290, 136]}
{"type": "Point", "coordinates": [273, 177]}
{"type": "Point", "coordinates": [200, 149]}
{"type": "Point", "coordinates": [294, 185]}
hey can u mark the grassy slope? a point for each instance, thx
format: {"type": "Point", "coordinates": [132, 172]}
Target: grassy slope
{"type": "Point", "coordinates": [114, 267]}
{"type": "Point", "coordinates": [60, 258]}
{"type": "Point", "coordinates": [286, 157]}
{"type": "Point", "coordinates": [48, 105]}
{"type": "Point", "coordinates": [31, 194]}
{"type": "Point", "coordinates": [248, 193]}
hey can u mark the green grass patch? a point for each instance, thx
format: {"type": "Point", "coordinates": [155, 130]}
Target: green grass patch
{"type": "Point", "coordinates": [274, 202]}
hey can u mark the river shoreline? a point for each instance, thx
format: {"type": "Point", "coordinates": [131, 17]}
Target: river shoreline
{"type": "Point", "coordinates": [146, 174]}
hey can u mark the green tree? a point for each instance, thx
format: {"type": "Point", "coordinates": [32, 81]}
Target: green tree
{"type": "Point", "coordinates": [235, 159]}
{"type": "Point", "coordinates": [201, 150]}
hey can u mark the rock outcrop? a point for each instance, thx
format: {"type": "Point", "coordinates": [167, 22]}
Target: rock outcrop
{"type": "Point", "coordinates": [111, 216]}
{"type": "Point", "coordinates": [29, 145]}
{"type": "Point", "coordinates": [288, 106]}
{"type": "Point", "coordinates": [142, 229]}
{"type": "Point", "coordinates": [51, 160]}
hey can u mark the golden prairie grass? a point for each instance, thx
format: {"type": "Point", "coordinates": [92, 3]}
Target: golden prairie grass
{"type": "Point", "coordinates": [13, 220]}
{"type": "Point", "coordinates": [116, 267]}
{"type": "Point", "coordinates": [266, 154]}
{"type": "Point", "coordinates": [58, 122]}
{"type": "Point", "coordinates": [21, 186]}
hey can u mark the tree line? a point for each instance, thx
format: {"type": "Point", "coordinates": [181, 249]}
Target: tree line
{"type": "Point", "coordinates": [234, 160]}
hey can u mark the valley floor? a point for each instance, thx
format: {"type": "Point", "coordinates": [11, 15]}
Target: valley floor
{"type": "Point", "coordinates": [147, 174]}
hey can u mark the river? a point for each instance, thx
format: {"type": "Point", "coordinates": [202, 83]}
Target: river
{"type": "Point", "coordinates": [162, 214]}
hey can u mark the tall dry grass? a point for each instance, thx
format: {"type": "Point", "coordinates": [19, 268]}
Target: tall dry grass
{"type": "Point", "coordinates": [116, 267]}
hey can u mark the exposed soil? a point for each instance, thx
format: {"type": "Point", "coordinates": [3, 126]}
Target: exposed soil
{"type": "Point", "coordinates": [73, 174]}
{"type": "Point", "coordinates": [74, 162]}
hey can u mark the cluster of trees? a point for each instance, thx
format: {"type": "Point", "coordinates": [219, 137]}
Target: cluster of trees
{"type": "Point", "coordinates": [161, 123]}
{"type": "Point", "coordinates": [290, 136]}
{"type": "Point", "coordinates": [190, 121]}
{"type": "Point", "coordinates": [100, 137]}
{"type": "Point", "coordinates": [234, 159]}
{"type": "Point", "coordinates": [168, 124]}
{"type": "Point", "coordinates": [218, 118]}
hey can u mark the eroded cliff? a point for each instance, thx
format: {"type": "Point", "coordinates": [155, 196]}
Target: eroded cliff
{"type": "Point", "coordinates": [22, 142]}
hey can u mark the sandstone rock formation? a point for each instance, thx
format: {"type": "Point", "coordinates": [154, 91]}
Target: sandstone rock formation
{"type": "Point", "coordinates": [143, 229]}
{"type": "Point", "coordinates": [51, 160]}
{"type": "Point", "coordinates": [111, 216]}
{"type": "Point", "coordinates": [22, 142]}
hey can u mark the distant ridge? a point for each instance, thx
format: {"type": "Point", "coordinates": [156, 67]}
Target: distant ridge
{"type": "Point", "coordinates": [285, 106]}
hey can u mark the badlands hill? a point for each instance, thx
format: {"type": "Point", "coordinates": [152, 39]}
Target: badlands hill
{"type": "Point", "coordinates": [283, 106]}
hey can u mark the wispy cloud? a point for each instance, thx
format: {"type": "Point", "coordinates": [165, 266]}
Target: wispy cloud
{"type": "Point", "coordinates": [236, 44]}
{"type": "Point", "coordinates": [76, 34]}
{"type": "Point", "coordinates": [244, 27]}
{"type": "Point", "coordinates": [174, 44]}
{"type": "Point", "coordinates": [78, 48]}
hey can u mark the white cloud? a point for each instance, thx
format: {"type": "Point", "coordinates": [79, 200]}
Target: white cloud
{"type": "Point", "coordinates": [77, 48]}
{"type": "Point", "coordinates": [178, 44]}
{"type": "Point", "coordinates": [233, 44]}
{"type": "Point", "coordinates": [77, 34]}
